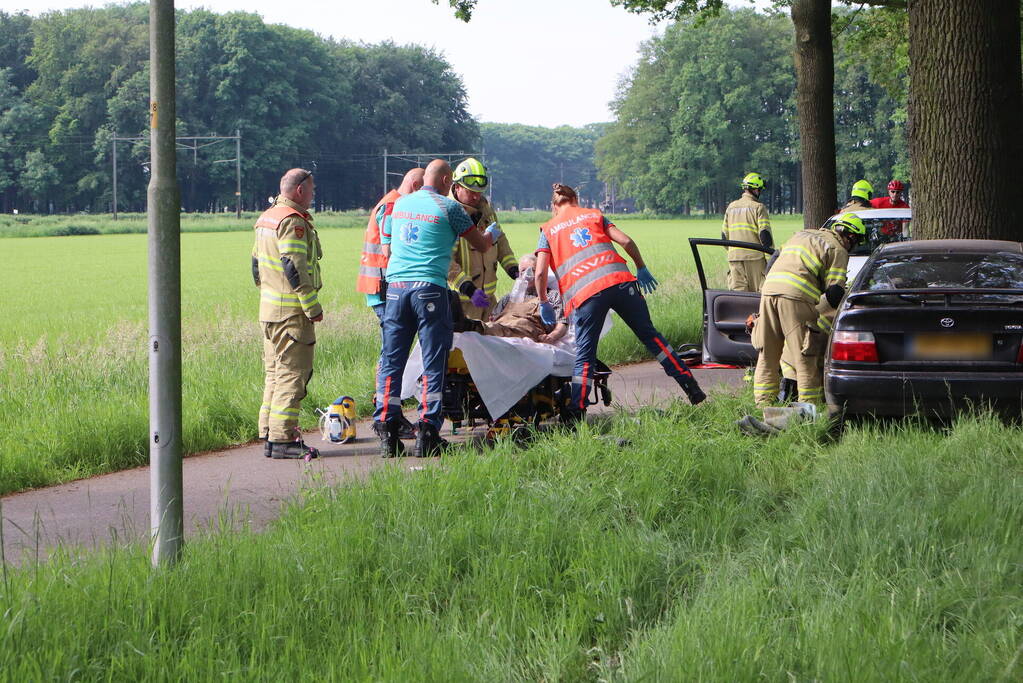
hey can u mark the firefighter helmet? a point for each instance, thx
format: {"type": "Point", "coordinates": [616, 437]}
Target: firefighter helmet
{"type": "Point", "coordinates": [862, 189]}
{"type": "Point", "coordinates": [850, 223]}
{"type": "Point", "coordinates": [471, 174]}
{"type": "Point", "coordinates": [754, 181]}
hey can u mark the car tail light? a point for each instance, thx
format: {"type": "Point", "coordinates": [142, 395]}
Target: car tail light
{"type": "Point", "coordinates": [854, 346]}
{"type": "Point", "coordinates": [1019, 354]}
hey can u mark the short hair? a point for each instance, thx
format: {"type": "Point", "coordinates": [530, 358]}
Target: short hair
{"type": "Point", "coordinates": [292, 178]}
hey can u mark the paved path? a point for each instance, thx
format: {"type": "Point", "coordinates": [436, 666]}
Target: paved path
{"type": "Point", "coordinates": [238, 486]}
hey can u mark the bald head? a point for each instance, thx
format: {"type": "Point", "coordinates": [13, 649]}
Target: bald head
{"type": "Point", "coordinates": [438, 176]}
{"type": "Point", "coordinates": [412, 181]}
{"type": "Point", "coordinates": [297, 185]}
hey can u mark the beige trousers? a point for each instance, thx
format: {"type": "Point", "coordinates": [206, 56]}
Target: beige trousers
{"type": "Point", "coordinates": [746, 276]}
{"type": "Point", "coordinates": [788, 323]}
{"type": "Point", "coordinates": [288, 366]}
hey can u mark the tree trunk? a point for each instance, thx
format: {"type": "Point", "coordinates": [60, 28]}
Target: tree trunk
{"type": "Point", "coordinates": [965, 110]}
{"type": "Point", "coordinates": [815, 84]}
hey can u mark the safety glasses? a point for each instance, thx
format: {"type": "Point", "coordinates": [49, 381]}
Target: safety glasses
{"type": "Point", "coordinates": [475, 181]}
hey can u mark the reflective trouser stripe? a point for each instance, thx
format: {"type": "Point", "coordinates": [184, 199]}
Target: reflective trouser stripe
{"type": "Point", "coordinates": [386, 400]}
{"type": "Point", "coordinates": [583, 390]}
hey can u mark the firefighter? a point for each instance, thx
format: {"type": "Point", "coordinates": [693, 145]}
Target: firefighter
{"type": "Point", "coordinates": [895, 198]}
{"type": "Point", "coordinates": [286, 268]}
{"type": "Point", "coordinates": [594, 279]}
{"type": "Point", "coordinates": [811, 268]}
{"type": "Point", "coordinates": [424, 228]}
{"type": "Point", "coordinates": [746, 220]}
{"type": "Point", "coordinates": [373, 262]}
{"type": "Point", "coordinates": [473, 273]}
{"type": "Point", "coordinates": [859, 197]}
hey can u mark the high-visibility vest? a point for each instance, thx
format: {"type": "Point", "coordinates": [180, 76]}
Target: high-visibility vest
{"type": "Point", "coordinates": [583, 256]}
{"type": "Point", "coordinates": [372, 264]}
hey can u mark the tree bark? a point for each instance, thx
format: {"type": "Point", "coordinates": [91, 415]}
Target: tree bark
{"type": "Point", "coordinates": [965, 111]}
{"type": "Point", "coordinates": [815, 84]}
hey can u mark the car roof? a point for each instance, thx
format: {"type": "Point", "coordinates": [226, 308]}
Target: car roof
{"type": "Point", "coordinates": [937, 246]}
{"type": "Point", "coordinates": [871, 214]}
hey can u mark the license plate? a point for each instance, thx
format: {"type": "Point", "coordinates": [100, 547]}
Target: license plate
{"type": "Point", "coordinates": [952, 346]}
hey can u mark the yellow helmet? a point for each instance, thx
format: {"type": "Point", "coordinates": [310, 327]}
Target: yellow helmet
{"type": "Point", "coordinates": [862, 189]}
{"type": "Point", "coordinates": [471, 174]}
{"type": "Point", "coordinates": [753, 180]}
{"type": "Point", "coordinates": [851, 223]}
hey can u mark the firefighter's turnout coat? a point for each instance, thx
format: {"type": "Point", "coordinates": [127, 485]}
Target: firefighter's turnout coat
{"type": "Point", "coordinates": [745, 219]}
{"type": "Point", "coordinates": [480, 268]}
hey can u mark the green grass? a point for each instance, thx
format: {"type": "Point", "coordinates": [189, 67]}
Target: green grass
{"type": "Point", "coordinates": [73, 355]}
{"type": "Point", "coordinates": [686, 552]}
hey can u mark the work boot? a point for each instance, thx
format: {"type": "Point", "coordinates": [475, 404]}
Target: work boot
{"type": "Point", "coordinates": [389, 434]}
{"type": "Point", "coordinates": [692, 389]}
{"type": "Point", "coordinates": [292, 450]}
{"type": "Point", "coordinates": [570, 417]}
{"type": "Point", "coordinates": [428, 441]}
{"type": "Point", "coordinates": [406, 430]}
{"type": "Point", "coordinates": [267, 448]}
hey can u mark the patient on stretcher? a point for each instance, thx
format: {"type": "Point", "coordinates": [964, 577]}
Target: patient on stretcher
{"type": "Point", "coordinates": [518, 314]}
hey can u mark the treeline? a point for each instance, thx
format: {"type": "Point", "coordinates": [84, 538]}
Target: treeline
{"type": "Point", "coordinates": [72, 80]}
{"type": "Point", "coordinates": [714, 98]}
{"type": "Point", "coordinates": [525, 160]}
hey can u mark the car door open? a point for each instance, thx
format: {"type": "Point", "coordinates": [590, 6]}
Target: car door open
{"type": "Point", "coordinates": [725, 339]}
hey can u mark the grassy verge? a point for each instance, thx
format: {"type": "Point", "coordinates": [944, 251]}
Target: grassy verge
{"type": "Point", "coordinates": [650, 548]}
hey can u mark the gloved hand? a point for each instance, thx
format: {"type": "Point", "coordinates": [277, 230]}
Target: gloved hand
{"type": "Point", "coordinates": [495, 232]}
{"type": "Point", "coordinates": [513, 272]}
{"type": "Point", "coordinates": [647, 282]}
{"type": "Point", "coordinates": [547, 316]}
{"type": "Point", "coordinates": [834, 294]}
{"type": "Point", "coordinates": [479, 299]}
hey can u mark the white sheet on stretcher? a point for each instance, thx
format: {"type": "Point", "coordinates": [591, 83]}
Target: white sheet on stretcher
{"type": "Point", "coordinates": [503, 368]}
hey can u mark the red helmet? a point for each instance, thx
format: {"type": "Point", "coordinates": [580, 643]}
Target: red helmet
{"type": "Point", "coordinates": [895, 185]}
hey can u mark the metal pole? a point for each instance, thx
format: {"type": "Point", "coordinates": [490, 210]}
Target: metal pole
{"type": "Point", "coordinates": [164, 207]}
{"type": "Point", "coordinates": [114, 143]}
{"type": "Point", "coordinates": [385, 170]}
{"type": "Point", "coordinates": [238, 172]}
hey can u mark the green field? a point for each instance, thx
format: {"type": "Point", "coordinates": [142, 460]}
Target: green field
{"type": "Point", "coordinates": [74, 397]}
{"type": "Point", "coordinates": [649, 548]}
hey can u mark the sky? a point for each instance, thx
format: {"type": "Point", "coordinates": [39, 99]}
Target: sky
{"type": "Point", "coordinates": [516, 57]}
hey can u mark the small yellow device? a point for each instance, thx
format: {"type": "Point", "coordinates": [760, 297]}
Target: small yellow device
{"type": "Point", "coordinates": [341, 420]}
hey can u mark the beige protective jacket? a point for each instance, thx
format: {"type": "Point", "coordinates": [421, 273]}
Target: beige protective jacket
{"type": "Point", "coordinates": [286, 263]}
{"type": "Point", "coordinates": [745, 218]}
{"type": "Point", "coordinates": [809, 263]}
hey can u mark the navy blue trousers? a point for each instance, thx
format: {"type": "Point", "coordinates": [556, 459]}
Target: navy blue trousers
{"type": "Point", "coordinates": [627, 301]}
{"type": "Point", "coordinates": [414, 308]}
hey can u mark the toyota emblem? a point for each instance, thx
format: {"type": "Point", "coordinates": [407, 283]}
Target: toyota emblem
{"type": "Point", "coordinates": [947, 322]}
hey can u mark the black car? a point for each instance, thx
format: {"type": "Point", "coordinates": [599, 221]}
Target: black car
{"type": "Point", "coordinates": [930, 327]}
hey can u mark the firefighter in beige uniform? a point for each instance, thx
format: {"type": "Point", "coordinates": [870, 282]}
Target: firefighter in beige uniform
{"type": "Point", "coordinates": [812, 265]}
{"type": "Point", "coordinates": [473, 274]}
{"type": "Point", "coordinates": [285, 266]}
{"type": "Point", "coordinates": [746, 220]}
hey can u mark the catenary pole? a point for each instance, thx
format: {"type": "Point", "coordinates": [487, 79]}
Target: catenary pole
{"type": "Point", "coordinates": [238, 173]}
{"type": "Point", "coordinates": [385, 170]}
{"type": "Point", "coordinates": [113, 143]}
{"type": "Point", "coordinates": [164, 206]}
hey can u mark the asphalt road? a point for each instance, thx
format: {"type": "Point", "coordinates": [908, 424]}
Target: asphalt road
{"type": "Point", "coordinates": [238, 486]}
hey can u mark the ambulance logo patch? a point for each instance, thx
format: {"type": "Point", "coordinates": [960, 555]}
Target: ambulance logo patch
{"type": "Point", "coordinates": [410, 233]}
{"type": "Point", "coordinates": [580, 237]}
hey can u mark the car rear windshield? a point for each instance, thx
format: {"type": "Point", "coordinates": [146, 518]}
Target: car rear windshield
{"type": "Point", "coordinates": [999, 270]}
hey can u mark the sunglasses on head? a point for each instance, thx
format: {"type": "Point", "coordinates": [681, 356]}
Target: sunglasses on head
{"type": "Point", "coordinates": [479, 181]}
{"type": "Point", "coordinates": [307, 176]}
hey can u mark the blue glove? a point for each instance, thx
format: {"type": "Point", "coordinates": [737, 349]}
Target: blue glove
{"type": "Point", "coordinates": [547, 314]}
{"type": "Point", "coordinates": [479, 299]}
{"type": "Point", "coordinates": [495, 232]}
{"type": "Point", "coordinates": [647, 282]}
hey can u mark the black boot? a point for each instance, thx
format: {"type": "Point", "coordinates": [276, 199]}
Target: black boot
{"type": "Point", "coordinates": [292, 450]}
{"type": "Point", "coordinates": [789, 390]}
{"type": "Point", "coordinates": [570, 417]}
{"type": "Point", "coordinates": [267, 448]}
{"type": "Point", "coordinates": [692, 389]}
{"type": "Point", "coordinates": [390, 445]}
{"type": "Point", "coordinates": [428, 441]}
{"type": "Point", "coordinates": [406, 429]}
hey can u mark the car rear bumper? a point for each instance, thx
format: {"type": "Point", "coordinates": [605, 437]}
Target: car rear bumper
{"type": "Point", "coordinates": [863, 392]}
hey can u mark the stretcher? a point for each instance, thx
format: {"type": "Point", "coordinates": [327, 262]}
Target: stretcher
{"type": "Point", "coordinates": [507, 384]}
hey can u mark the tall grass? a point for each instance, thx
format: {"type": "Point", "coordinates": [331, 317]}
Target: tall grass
{"type": "Point", "coordinates": [73, 400]}
{"type": "Point", "coordinates": [654, 547]}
